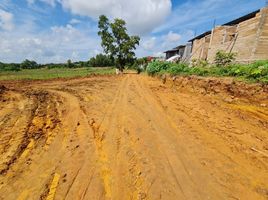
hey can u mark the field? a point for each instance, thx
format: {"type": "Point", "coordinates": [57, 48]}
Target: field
{"type": "Point", "coordinates": [43, 74]}
{"type": "Point", "coordinates": [132, 137]}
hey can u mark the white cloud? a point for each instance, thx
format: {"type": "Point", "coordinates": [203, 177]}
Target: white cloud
{"type": "Point", "coordinates": [78, 42]}
{"type": "Point", "coordinates": [6, 20]}
{"type": "Point", "coordinates": [200, 15]}
{"type": "Point", "coordinates": [141, 16]}
{"type": "Point", "coordinates": [159, 54]}
{"type": "Point", "coordinates": [74, 21]}
{"type": "Point", "coordinates": [149, 44]}
{"type": "Point", "coordinates": [171, 40]}
{"type": "Point", "coordinates": [172, 37]}
{"type": "Point", "coordinates": [55, 45]}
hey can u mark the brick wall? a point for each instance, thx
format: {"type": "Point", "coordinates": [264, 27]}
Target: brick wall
{"type": "Point", "coordinates": [248, 39]}
{"type": "Point", "coordinates": [200, 48]}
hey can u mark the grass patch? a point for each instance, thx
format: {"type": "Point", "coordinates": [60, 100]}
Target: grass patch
{"type": "Point", "coordinates": [255, 72]}
{"type": "Point", "coordinates": [45, 73]}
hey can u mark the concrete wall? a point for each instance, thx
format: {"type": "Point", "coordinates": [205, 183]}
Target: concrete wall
{"type": "Point", "coordinates": [200, 48]}
{"type": "Point", "coordinates": [222, 38]}
{"type": "Point", "coordinates": [260, 49]}
{"type": "Point", "coordinates": [248, 39]}
{"type": "Point", "coordinates": [187, 52]}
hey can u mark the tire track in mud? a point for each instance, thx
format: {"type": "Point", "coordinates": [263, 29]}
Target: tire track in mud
{"type": "Point", "coordinates": [108, 133]}
{"type": "Point", "coordinates": [40, 123]}
{"type": "Point", "coordinates": [127, 166]}
{"type": "Point", "coordinates": [163, 128]}
{"type": "Point", "coordinates": [100, 134]}
{"type": "Point", "coordinates": [118, 138]}
{"type": "Point", "coordinates": [201, 116]}
{"type": "Point", "coordinates": [36, 136]}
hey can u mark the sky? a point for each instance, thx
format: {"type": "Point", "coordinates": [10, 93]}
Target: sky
{"type": "Point", "coordinates": [57, 30]}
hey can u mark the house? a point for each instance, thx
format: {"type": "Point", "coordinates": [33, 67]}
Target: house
{"type": "Point", "coordinates": [183, 51]}
{"type": "Point", "coordinates": [246, 36]}
{"type": "Point", "coordinates": [179, 50]}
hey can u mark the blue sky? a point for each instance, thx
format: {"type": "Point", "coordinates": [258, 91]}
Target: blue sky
{"type": "Point", "coordinates": [57, 30]}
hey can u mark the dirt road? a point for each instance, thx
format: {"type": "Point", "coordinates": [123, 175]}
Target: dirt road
{"type": "Point", "coordinates": [130, 137]}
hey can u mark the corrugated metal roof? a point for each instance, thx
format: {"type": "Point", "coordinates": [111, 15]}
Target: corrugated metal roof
{"type": "Point", "coordinates": [241, 19]}
{"type": "Point", "coordinates": [175, 49]}
{"type": "Point", "coordinates": [172, 50]}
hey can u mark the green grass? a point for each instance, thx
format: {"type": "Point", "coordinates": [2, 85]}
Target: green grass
{"type": "Point", "coordinates": [255, 72]}
{"type": "Point", "coordinates": [44, 74]}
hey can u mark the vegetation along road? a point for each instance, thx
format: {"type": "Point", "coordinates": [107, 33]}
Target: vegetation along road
{"type": "Point", "coordinates": [133, 137]}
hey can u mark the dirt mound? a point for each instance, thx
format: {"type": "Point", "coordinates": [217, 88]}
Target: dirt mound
{"type": "Point", "coordinates": [223, 86]}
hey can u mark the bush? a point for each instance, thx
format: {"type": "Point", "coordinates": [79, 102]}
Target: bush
{"type": "Point", "coordinates": [156, 67]}
{"type": "Point", "coordinates": [199, 63]}
{"type": "Point", "coordinates": [180, 68]}
{"type": "Point", "coordinates": [257, 71]}
{"type": "Point", "coordinates": [224, 59]}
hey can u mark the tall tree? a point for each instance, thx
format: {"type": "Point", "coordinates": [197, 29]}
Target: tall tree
{"type": "Point", "coordinates": [116, 42]}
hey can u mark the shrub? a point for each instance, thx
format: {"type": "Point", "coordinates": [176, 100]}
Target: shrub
{"type": "Point", "coordinates": [180, 68]}
{"type": "Point", "coordinates": [199, 63]}
{"type": "Point", "coordinates": [156, 67]}
{"type": "Point", "coordinates": [257, 71]}
{"type": "Point", "coordinates": [200, 71]}
{"type": "Point", "coordinates": [224, 59]}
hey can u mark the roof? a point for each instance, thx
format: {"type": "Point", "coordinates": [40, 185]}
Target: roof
{"type": "Point", "coordinates": [171, 50]}
{"type": "Point", "coordinates": [175, 49]}
{"type": "Point", "coordinates": [200, 36]}
{"type": "Point", "coordinates": [241, 19]}
{"type": "Point", "coordinates": [231, 23]}
{"type": "Point", "coordinates": [178, 47]}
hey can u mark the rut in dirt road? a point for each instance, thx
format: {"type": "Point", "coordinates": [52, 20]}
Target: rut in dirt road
{"type": "Point", "coordinates": [131, 137]}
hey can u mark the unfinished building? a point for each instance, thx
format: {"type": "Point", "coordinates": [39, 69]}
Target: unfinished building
{"type": "Point", "coordinates": [246, 36]}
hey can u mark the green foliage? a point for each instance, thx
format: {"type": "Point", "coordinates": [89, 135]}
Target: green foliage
{"type": "Point", "coordinates": [199, 63]}
{"type": "Point", "coordinates": [156, 66]}
{"type": "Point", "coordinates": [101, 60]}
{"type": "Point", "coordinates": [116, 42]}
{"type": "Point", "coordinates": [9, 67]}
{"type": "Point", "coordinates": [179, 68]}
{"type": "Point", "coordinates": [29, 64]}
{"type": "Point", "coordinates": [257, 71]}
{"type": "Point", "coordinates": [224, 59]}
{"type": "Point", "coordinates": [139, 65]}
{"type": "Point", "coordinates": [70, 64]}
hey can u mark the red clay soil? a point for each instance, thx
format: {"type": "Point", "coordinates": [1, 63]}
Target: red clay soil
{"type": "Point", "coordinates": [132, 137]}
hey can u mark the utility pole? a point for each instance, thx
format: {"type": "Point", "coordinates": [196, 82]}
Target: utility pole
{"type": "Point", "coordinates": [214, 22]}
